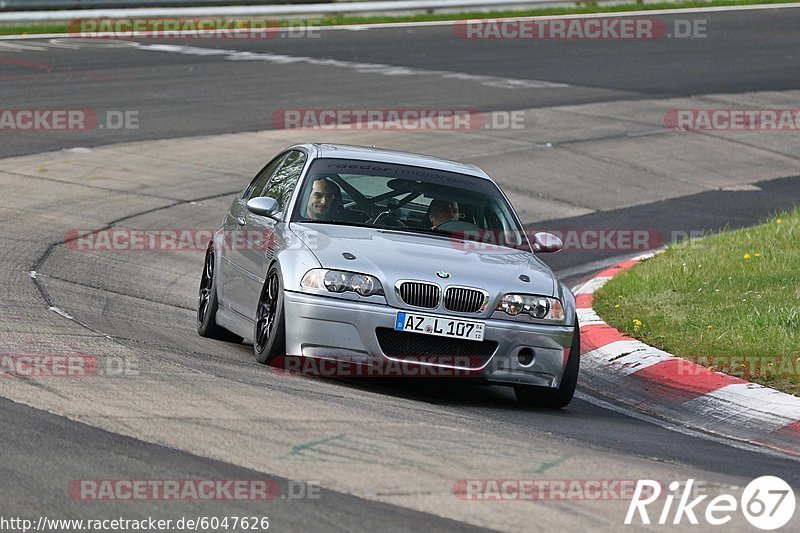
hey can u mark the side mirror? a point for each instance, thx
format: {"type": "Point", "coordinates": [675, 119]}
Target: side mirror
{"type": "Point", "coordinates": [546, 242]}
{"type": "Point", "coordinates": [263, 205]}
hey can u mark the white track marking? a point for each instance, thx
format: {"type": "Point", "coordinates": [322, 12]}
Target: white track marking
{"type": "Point", "coordinates": [79, 42]}
{"type": "Point", "coordinates": [61, 312]}
{"type": "Point", "coordinates": [750, 405]}
{"type": "Point", "coordinates": [389, 25]}
{"type": "Point", "coordinates": [64, 43]}
{"type": "Point", "coordinates": [17, 47]}
{"type": "Point", "coordinates": [740, 445]}
{"type": "Point", "coordinates": [587, 317]}
{"type": "Point", "coordinates": [366, 68]}
{"type": "Point", "coordinates": [625, 357]}
{"type": "Point", "coordinates": [592, 285]}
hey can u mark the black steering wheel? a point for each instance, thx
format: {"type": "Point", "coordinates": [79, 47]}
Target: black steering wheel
{"type": "Point", "coordinates": [389, 220]}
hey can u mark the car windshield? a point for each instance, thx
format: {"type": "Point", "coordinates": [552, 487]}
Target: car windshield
{"type": "Point", "coordinates": [407, 198]}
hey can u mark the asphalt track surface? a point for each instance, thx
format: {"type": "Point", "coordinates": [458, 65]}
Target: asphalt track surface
{"type": "Point", "coordinates": [180, 94]}
{"type": "Point", "coordinates": [186, 95]}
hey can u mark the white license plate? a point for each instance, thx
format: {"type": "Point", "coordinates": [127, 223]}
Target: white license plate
{"type": "Point", "coordinates": [438, 325]}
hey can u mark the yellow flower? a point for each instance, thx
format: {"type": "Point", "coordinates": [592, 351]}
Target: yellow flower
{"type": "Point", "coordinates": [778, 221]}
{"type": "Point", "coordinates": [709, 327]}
{"type": "Point", "coordinates": [637, 324]}
{"type": "Point", "coordinates": [747, 256]}
{"type": "Point", "coordinates": [757, 254]}
{"type": "Point", "coordinates": [616, 306]}
{"type": "Point", "coordinates": [710, 368]}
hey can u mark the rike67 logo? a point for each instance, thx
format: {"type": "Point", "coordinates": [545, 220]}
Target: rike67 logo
{"type": "Point", "coordinates": [767, 502]}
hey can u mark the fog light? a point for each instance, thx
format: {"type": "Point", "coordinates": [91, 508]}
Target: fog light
{"type": "Point", "coordinates": [525, 357]}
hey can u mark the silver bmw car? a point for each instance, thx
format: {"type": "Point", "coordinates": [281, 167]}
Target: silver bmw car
{"type": "Point", "coordinates": [376, 257]}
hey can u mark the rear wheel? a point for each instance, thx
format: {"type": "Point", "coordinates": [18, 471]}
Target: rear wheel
{"type": "Point", "coordinates": [207, 304]}
{"type": "Point", "coordinates": [269, 337]}
{"type": "Point", "coordinates": [561, 396]}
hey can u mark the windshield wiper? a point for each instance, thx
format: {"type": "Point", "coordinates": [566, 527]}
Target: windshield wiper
{"type": "Point", "coordinates": [337, 223]}
{"type": "Point", "coordinates": [424, 231]}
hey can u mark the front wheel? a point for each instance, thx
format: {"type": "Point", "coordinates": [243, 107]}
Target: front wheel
{"type": "Point", "coordinates": [207, 304]}
{"type": "Point", "coordinates": [269, 336]}
{"type": "Point", "coordinates": [560, 397]}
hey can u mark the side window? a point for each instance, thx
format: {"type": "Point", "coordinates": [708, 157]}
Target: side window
{"type": "Point", "coordinates": [285, 178]}
{"type": "Point", "coordinates": [260, 181]}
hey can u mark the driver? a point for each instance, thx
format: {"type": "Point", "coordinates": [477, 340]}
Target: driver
{"type": "Point", "coordinates": [325, 199]}
{"type": "Point", "coordinates": [441, 211]}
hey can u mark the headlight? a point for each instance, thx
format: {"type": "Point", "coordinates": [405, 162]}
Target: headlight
{"type": "Point", "coordinates": [341, 281]}
{"type": "Point", "coordinates": [539, 307]}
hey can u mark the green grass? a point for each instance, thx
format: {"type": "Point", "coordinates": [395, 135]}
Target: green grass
{"type": "Point", "coordinates": [729, 301]}
{"type": "Point", "coordinates": [589, 7]}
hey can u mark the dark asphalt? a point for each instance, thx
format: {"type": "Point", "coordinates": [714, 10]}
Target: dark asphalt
{"type": "Point", "coordinates": [183, 95]}
{"type": "Point", "coordinates": [44, 454]}
{"type": "Point", "coordinates": [180, 95]}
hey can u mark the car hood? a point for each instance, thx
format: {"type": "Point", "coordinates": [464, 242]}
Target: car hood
{"type": "Point", "coordinates": [392, 255]}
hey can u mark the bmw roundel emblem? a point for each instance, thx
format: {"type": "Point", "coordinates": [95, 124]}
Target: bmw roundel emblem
{"type": "Point", "coordinates": [442, 274]}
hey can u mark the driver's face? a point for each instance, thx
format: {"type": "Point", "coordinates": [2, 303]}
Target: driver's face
{"type": "Point", "coordinates": [321, 199]}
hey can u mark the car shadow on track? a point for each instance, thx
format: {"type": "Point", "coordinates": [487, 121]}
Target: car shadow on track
{"type": "Point", "coordinates": [451, 392]}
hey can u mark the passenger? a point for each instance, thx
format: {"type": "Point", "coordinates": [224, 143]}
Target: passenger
{"type": "Point", "coordinates": [442, 211]}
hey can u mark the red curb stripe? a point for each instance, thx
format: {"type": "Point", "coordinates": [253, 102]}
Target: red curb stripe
{"type": "Point", "coordinates": [672, 382]}
{"type": "Point", "coordinates": [686, 378]}
{"type": "Point", "coordinates": [598, 335]}
{"type": "Point", "coordinates": [584, 301]}
{"type": "Point", "coordinates": [785, 438]}
{"type": "Point", "coordinates": [794, 427]}
{"type": "Point", "coordinates": [616, 269]}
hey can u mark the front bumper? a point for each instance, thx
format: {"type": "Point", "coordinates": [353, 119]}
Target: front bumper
{"type": "Point", "coordinates": [332, 328]}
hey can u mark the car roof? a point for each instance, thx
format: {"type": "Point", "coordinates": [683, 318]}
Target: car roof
{"type": "Point", "coordinates": [382, 155]}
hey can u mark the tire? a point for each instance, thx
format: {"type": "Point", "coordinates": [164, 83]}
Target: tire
{"type": "Point", "coordinates": [269, 334]}
{"type": "Point", "coordinates": [207, 304]}
{"type": "Point", "coordinates": [560, 397]}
